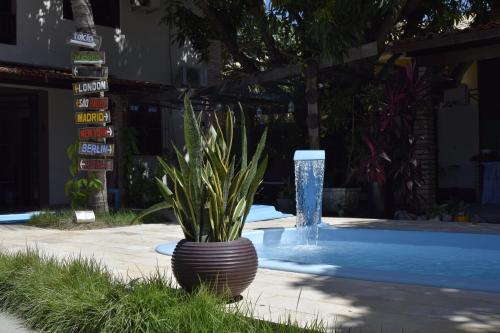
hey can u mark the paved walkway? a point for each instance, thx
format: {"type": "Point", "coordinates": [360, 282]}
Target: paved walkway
{"type": "Point", "coordinates": [362, 305]}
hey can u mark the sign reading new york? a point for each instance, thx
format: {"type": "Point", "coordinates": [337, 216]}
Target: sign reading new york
{"type": "Point", "coordinates": [96, 132]}
{"type": "Point", "coordinates": [90, 87]}
{"type": "Point", "coordinates": [93, 148]}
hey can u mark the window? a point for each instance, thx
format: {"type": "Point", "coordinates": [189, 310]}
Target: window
{"type": "Point", "coordinates": [106, 12]}
{"type": "Point", "coordinates": [7, 22]}
{"type": "Point", "coordinates": [146, 119]}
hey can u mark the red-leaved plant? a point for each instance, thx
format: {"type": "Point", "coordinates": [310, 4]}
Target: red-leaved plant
{"type": "Point", "coordinates": [390, 140]}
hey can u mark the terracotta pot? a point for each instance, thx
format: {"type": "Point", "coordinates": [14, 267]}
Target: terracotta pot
{"type": "Point", "coordinates": [225, 267]}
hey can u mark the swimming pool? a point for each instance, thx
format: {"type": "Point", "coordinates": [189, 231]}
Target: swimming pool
{"type": "Point", "coordinates": [441, 259]}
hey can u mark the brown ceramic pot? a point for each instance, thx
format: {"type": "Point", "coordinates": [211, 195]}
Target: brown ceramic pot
{"type": "Point", "coordinates": [225, 267]}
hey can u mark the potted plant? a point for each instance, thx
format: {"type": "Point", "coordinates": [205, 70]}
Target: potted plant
{"type": "Point", "coordinates": [211, 193]}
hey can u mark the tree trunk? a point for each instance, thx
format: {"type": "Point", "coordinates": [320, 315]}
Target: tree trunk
{"type": "Point", "coordinates": [311, 74]}
{"type": "Point", "coordinates": [84, 22]}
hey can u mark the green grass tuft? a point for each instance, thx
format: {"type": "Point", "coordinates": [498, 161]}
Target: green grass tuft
{"type": "Point", "coordinates": [81, 295]}
{"type": "Point", "coordinates": [63, 219]}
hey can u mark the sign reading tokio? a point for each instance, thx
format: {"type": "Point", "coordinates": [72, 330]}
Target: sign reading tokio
{"type": "Point", "coordinates": [92, 148]}
{"type": "Point", "coordinates": [86, 72]}
{"type": "Point", "coordinates": [94, 103]}
{"type": "Point", "coordinates": [88, 58]}
{"type": "Point", "coordinates": [95, 165]}
{"type": "Point", "coordinates": [85, 40]}
{"type": "Point", "coordinates": [92, 117]}
{"type": "Point", "coordinates": [96, 132]}
{"type": "Point", "coordinates": [91, 87]}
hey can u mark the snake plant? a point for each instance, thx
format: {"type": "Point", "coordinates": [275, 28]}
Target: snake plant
{"type": "Point", "coordinates": [210, 189]}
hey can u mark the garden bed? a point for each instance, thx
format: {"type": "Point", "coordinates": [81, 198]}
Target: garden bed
{"type": "Point", "coordinates": [81, 295]}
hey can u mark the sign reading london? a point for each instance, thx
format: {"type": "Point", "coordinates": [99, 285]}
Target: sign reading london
{"type": "Point", "coordinates": [88, 58]}
{"type": "Point", "coordinates": [92, 148]}
{"type": "Point", "coordinates": [90, 87]}
{"type": "Point", "coordinates": [85, 40]}
{"type": "Point", "coordinates": [93, 103]}
{"type": "Point", "coordinates": [92, 117]}
{"type": "Point", "coordinates": [86, 72]}
{"type": "Point", "coordinates": [96, 132]}
{"type": "Point", "coordinates": [95, 165]}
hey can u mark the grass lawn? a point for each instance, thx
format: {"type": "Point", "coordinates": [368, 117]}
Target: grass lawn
{"type": "Point", "coordinates": [81, 295]}
{"type": "Point", "coordinates": [62, 219]}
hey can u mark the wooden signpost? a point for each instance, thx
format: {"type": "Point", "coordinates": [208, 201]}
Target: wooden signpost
{"type": "Point", "coordinates": [91, 111]}
{"type": "Point", "coordinates": [93, 117]}
{"type": "Point", "coordinates": [90, 87]}
{"type": "Point", "coordinates": [91, 103]}
{"type": "Point", "coordinates": [88, 58]}
{"type": "Point", "coordinates": [85, 133]}
{"type": "Point", "coordinates": [86, 72]}
{"type": "Point", "coordinates": [94, 148]}
{"type": "Point", "coordinates": [86, 40]}
{"type": "Point", "coordinates": [95, 165]}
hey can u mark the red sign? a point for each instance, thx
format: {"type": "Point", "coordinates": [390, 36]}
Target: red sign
{"type": "Point", "coordinates": [96, 132]}
{"type": "Point", "coordinates": [95, 165]}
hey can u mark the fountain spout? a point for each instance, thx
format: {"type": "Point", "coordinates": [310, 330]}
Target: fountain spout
{"type": "Point", "coordinates": [309, 174]}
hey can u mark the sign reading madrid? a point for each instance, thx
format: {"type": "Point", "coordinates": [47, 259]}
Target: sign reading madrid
{"type": "Point", "coordinates": [87, 72]}
{"type": "Point", "coordinates": [94, 103]}
{"type": "Point", "coordinates": [95, 165]}
{"type": "Point", "coordinates": [90, 87]}
{"type": "Point", "coordinates": [96, 132]}
{"type": "Point", "coordinates": [88, 58]}
{"type": "Point", "coordinates": [92, 117]}
{"type": "Point", "coordinates": [92, 148]}
{"type": "Point", "coordinates": [85, 40]}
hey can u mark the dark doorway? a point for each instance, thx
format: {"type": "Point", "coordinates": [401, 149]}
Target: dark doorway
{"type": "Point", "coordinates": [19, 151]}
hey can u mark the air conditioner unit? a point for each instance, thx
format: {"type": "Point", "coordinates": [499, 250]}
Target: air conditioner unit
{"type": "Point", "coordinates": [145, 5]}
{"type": "Point", "coordinates": [194, 77]}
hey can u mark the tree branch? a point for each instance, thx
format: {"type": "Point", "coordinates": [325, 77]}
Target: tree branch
{"type": "Point", "coordinates": [228, 37]}
{"type": "Point", "coordinates": [257, 10]}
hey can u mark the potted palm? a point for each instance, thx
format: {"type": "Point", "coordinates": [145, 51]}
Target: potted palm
{"type": "Point", "coordinates": [211, 192]}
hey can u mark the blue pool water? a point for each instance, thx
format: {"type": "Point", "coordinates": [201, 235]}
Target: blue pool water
{"type": "Point", "coordinates": [441, 259]}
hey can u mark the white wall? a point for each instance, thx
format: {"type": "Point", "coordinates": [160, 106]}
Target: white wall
{"type": "Point", "coordinates": [139, 50]}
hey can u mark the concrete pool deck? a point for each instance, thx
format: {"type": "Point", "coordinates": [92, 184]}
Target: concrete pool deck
{"type": "Point", "coordinates": [363, 306]}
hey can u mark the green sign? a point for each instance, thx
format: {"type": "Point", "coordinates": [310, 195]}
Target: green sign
{"type": "Point", "coordinates": [88, 58]}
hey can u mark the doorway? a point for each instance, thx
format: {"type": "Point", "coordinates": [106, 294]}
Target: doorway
{"type": "Point", "coordinates": [19, 150]}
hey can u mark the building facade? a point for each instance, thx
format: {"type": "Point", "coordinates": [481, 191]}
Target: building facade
{"type": "Point", "coordinates": [36, 101]}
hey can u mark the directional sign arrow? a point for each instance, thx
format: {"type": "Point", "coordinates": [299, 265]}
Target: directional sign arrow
{"type": "Point", "coordinates": [82, 164]}
{"type": "Point", "coordinates": [109, 131]}
{"type": "Point", "coordinates": [107, 116]}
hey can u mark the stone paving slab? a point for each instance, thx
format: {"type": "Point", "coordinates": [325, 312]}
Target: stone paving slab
{"type": "Point", "coordinates": [363, 306]}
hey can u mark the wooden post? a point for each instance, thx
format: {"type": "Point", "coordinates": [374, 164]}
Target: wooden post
{"type": "Point", "coordinates": [311, 73]}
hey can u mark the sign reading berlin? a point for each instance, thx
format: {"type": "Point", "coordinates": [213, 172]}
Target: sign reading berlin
{"type": "Point", "coordinates": [91, 87]}
{"type": "Point", "coordinates": [94, 103]}
{"type": "Point", "coordinates": [92, 148]}
{"type": "Point", "coordinates": [95, 165]}
{"type": "Point", "coordinates": [96, 132]}
{"type": "Point", "coordinates": [92, 117]}
{"type": "Point", "coordinates": [88, 58]}
{"type": "Point", "coordinates": [85, 40]}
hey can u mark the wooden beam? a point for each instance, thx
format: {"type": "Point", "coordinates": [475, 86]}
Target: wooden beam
{"type": "Point", "coordinates": [447, 40]}
{"type": "Point", "coordinates": [460, 56]}
{"type": "Point", "coordinates": [280, 73]}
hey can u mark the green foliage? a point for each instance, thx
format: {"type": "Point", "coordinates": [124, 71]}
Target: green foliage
{"type": "Point", "coordinates": [82, 295]}
{"type": "Point", "coordinates": [79, 189]}
{"type": "Point", "coordinates": [211, 193]}
{"type": "Point", "coordinates": [63, 219]}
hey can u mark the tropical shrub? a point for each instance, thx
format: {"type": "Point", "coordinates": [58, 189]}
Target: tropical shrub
{"type": "Point", "coordinates": [210, 191]}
